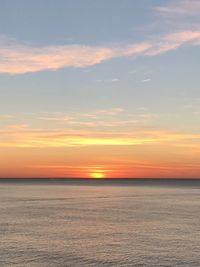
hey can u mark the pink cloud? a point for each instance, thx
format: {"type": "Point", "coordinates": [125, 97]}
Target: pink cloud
{"type": "Point", "coordinates": [22, 59]}
{"type": "Point", "coordinates": [173, 41]}
{"type": "Point", "coordinates": [181, 8]}
{"type": "Point", "coordinates": [17, 59]}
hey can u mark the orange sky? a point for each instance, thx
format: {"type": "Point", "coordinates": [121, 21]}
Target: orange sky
{"type": "Point", "coordinates": [86, 149]}
{"type": "Point", "coordinates": [101, 161]}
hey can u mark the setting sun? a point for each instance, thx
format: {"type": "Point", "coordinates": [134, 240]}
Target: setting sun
{"type": "Point", "coordinates": [97, 174]}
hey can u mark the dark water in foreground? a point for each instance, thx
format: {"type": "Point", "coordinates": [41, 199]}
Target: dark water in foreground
{"type": "Point", "coordinates": [70, 224]}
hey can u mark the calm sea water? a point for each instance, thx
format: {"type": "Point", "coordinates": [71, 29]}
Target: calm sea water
{"type": "Point", "coordinates": [62, 225]}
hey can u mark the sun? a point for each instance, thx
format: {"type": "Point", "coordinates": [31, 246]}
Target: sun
{"type": "Point", "coordinates": [97, 174]}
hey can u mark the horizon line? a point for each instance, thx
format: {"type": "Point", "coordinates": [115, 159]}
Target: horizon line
{"type": "Point", "coordinates": [109, 178]}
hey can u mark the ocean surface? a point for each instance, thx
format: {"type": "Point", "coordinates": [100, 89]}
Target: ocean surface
{"type": "Point", "coordinates": [58, 224]}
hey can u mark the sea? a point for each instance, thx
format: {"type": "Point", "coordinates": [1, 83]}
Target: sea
{"type": "Point", "coordinates": [90, 222]}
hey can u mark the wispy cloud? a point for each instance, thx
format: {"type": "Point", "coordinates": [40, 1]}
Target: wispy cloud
{"type": "Point", "coordinates": [71, 117]}
{"type": "Point", "coordinates": [22, 135]}
{"type": "Point", "coordinates": [6, 116]}
{"type": "Point", "coordinates": [113, 80]}
{"type": "Point", "coordinates": [180, 8]}
{"type": "Point", "coordinates": [173, 41]}
{"type": "Point", "coordinates": [57, 118]}
{"type": "Point", "coordinates": [110, 111]}
{"type": "Point", "coordinates": [146, 80]}
{"type": "Point", "coordinates": [96, 119]}
{"type": "Point", "coordinates": [17, 58]}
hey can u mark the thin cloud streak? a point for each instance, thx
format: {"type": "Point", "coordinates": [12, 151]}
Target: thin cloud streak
{"type": "Point", "coordinates": [19, 59]}
{"type": "Point", "coordinates": [173, 41]}
{"type": "Point", "coordinates": [23, 135]}
{"type": "Point", "coordinates": [180, 8]}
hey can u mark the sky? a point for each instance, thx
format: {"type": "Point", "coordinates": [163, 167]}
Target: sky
{"type": "Point", "coordinates": [100, 88]}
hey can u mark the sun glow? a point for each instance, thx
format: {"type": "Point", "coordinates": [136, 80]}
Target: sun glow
{"type": "Point", "coordinates": [97, 174]}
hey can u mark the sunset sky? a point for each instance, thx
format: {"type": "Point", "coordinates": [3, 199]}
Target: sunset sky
{"type": "Point", "coordinates": [100, 88]}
